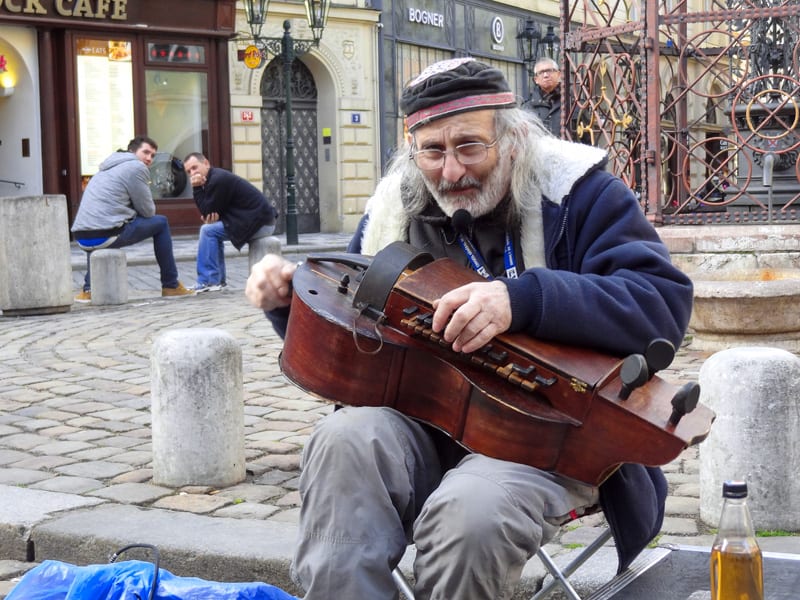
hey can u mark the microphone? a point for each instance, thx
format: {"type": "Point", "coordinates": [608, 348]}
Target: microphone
{"type": "Point", "coordinates": [462, 222]}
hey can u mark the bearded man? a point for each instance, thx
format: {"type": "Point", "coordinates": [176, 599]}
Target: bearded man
{"type": "Point", "coordinates": [568, 257]}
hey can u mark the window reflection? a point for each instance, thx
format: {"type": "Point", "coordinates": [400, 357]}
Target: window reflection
{"type": "Point", "coordinates": [177, 118]}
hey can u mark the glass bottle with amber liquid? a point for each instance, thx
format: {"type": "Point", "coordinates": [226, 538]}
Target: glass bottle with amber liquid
{"type": "Point", "coordinates": [736, 567]}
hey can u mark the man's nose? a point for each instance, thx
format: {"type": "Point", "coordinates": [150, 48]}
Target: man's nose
{"type": "Point", "coordinates": [452, 169]}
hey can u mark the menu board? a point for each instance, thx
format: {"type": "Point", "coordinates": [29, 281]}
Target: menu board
{"type": "Point", "coordinates": [105, 99]}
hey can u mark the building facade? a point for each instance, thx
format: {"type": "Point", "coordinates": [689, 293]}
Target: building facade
{"type": "Point", "coordinates": [81, 78]}
{"type": "Point", "coordinates": [78, 79]}
{"type": "Point", "coordinates": [335, 130]}
{"type": "Point", "coordinates": [346, 121]}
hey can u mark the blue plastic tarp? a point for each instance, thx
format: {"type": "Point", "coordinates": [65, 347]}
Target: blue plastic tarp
{"type": "Point", "coordinates": [129, 580]}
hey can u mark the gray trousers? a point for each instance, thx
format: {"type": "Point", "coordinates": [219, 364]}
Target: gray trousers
{"type": "Point", "coordinates": [372, 482]}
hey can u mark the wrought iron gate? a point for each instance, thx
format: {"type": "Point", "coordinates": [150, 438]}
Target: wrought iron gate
{"type": "Point", "coordinates": [304, 134]}
{"type": "Point", "coordinates": [696, 102]}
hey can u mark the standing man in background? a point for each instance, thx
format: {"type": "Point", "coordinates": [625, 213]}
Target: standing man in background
{"type": "Point", "coordinates": [117, 210]}
{"type": "Point", "coordinates": [545, 101]}
{"type": "Point", "coordinates": [231, 209]}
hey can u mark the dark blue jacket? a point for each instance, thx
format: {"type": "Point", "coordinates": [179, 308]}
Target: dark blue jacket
{"type": "Point", "coordinates": [610, 285]}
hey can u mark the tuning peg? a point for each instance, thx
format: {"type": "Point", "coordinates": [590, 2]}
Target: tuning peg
{"type": "Point", "coordinates": [634, 373]}
{"type": "Point", "coordinates": [684, 401]}
{"type": "Point", "coordinates": [659, 355]}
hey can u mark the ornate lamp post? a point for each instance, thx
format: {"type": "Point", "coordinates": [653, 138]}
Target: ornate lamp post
{"type": "Point", "coordinates": [529, 43]}
{"type": "Point", "coordinates": [287, 48]}
{"type": "Point", "coordinates": [551, 43]}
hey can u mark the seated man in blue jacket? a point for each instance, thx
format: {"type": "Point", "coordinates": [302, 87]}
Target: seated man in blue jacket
{"type": "Point", "coordinates": [568, 257]}
{"type": "Point", "coordinates": [231, 209]}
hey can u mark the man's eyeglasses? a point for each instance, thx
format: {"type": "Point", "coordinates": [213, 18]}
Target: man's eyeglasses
{"type": "Point", "coordinates": [471, 153]}
{"type": "Point", "coordinates": [545, 72]}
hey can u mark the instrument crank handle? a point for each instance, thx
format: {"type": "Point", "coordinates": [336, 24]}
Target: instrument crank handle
{"type": "Point", "coordinates": [684, 401]}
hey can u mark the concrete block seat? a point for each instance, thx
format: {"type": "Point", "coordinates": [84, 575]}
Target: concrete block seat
{"type": "Point", "coordinates": [261, 244]}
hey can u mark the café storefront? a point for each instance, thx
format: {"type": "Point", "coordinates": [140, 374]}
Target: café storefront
{"type": "Point", "coordinates": [82, 77]}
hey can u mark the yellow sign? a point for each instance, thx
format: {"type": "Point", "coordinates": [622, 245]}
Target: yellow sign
{"type": "Point", "coordinates": [252, 57]}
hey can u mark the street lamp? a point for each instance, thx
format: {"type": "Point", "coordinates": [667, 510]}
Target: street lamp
{"type": "Point", "coordinates": [530, 38]}
{"type": "Point", "coordinates": [551, 43]}
{"type": "Point", "coordinates": [287, 48]}
{"type": "Point", "coordinates": [532, 43]}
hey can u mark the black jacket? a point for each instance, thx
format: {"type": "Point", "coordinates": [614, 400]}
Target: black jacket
{"type": "Point", "coordinates": [242, 209]}
{"type": "Point", "coordinates": [547, 107]}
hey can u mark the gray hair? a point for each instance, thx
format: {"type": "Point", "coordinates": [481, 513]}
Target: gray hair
{"type": "Point", "coordinates": [518, 130]}
{"type": "Point", "coordinates": [546, 60]}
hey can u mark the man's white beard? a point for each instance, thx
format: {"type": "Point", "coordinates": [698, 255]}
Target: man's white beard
{"type": "Point", "coordinates": [482, 198]}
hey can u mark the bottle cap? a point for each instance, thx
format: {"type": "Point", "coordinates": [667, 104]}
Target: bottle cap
{"type": "Point", "coordinates": [734, 489]}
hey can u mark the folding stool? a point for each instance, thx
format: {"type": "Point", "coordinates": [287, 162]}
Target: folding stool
{"type": "Point", "coordinates": [560, 576]}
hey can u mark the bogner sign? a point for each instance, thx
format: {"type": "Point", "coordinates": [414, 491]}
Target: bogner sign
{"type": "Point", "coordinates": [425, 17]}
{"type": "Point", "coordinates": [92, 9]}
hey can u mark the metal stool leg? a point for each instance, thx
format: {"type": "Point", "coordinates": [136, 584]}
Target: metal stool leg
{"type": "Point", "coordinates": [402, 584]}
{"type": "Point", "coordinates": [560, 575]}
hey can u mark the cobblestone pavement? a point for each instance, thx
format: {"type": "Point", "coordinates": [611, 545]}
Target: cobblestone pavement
{"type": "Point", "coordinates": [75, 410]}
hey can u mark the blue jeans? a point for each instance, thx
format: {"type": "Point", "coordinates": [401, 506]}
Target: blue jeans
{"type": "Point", "coordinates": [211, 252]}
{"type": "Point", "coordinates": [141, 228]}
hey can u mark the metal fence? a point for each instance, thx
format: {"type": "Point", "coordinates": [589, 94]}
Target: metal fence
{"type": "Point", "coordinates": [698, 109]}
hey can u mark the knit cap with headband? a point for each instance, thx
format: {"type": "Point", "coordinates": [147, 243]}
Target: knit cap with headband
{"type": "Point", "coordinates": [454, 86]}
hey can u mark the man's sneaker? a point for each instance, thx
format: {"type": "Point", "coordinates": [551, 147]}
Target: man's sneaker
{"type": "Point", "coordinates": [207, 287]}
{"type": "Point", "coordinates": [84, 297]}
{"type": "Point", "coordinates": [176, 292]}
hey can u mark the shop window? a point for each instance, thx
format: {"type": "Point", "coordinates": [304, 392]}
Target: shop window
{"type": "Point", "coordinates": [177, 118]}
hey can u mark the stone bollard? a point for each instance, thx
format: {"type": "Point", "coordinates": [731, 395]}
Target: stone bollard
{"type": "Point", "coordinates": [197, 408]}
{"type": "Point", "coordinates": [109, 276]}
{"type": "Point", "coordinates": [259, 248]}
{"type": "Point", "coordinates": [35, 261]}
{"type": "Point", "coordinates": [755, 392]}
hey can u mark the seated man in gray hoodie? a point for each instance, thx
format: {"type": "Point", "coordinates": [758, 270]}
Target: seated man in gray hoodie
{"type": "Point", "coordinates": [117, 210]}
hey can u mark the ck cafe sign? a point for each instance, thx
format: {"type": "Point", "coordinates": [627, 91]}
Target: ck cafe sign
{"type": "Point", "coordinates": [92, 9]}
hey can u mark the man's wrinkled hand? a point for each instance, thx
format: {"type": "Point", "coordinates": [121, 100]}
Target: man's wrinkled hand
{"type": "Point", "coordinates": [473, 314]}
{"type": "Point", "coordinates": [269, 285]}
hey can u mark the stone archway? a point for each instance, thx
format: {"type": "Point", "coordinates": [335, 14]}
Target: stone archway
{"type": "Point", "coordinates": [304, 134]}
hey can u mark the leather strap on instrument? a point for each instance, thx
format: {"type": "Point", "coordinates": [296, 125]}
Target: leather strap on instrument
{"type": "Point", "coordinates": [383, 273]}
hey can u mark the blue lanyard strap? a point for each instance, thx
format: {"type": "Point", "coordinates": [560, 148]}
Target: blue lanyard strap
{"type": "Point", "coordinates": [477, 262]}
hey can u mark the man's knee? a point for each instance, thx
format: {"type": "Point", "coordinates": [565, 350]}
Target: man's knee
{"type": "Point", "coordinates": [353, 426]}
{"type": "Point", "coordinates": [461, 502]}
{"type": "Point", "coordinates": [360, 437]}
{"type": "Point", "coordinates": [161, 222]}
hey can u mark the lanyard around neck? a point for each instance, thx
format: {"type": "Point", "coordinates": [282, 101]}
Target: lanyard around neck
{"type": "Point", "coordinates": [477, 262]}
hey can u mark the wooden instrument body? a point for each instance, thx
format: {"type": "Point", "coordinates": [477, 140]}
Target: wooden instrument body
{"type": "Point", "coordinates": [550, 406]}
